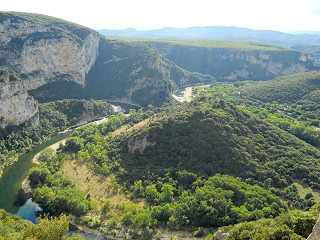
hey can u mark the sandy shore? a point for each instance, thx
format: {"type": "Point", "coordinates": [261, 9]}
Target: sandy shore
{"type": "Point", "coordinates": [54, 146]}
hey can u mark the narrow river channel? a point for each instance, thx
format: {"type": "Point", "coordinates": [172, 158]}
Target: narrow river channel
{"type": "Point", "coordinates": [13, 176]}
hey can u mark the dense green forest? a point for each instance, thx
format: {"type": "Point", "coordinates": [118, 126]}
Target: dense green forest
{"type": "Point", "coordinates": [14, 228]}
{"type": "Point", "coordinates": [291, 103]}
{"type": "Point", "coordinates": [54, 117]}
{"type": "Point", "coordinates": [196, 166]}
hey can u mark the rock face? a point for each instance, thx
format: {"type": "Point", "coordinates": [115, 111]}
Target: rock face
{"type": "Point", "coordinates": [50, 54]}
{"type": "Point", "coordinates": [315, 234]}
{"type": "Point", "coordinates": [139, 144]}
{"type": "Point", "coordinates": [313, 50]}
{"type": "Point", "coordinates": [40, 53]}
{"type": "Point", "coordinates": [136, 73]}
{"type": "Point", "coordinates": [236, 64]}
{"type": "Point", "coordinates": [16, 106]}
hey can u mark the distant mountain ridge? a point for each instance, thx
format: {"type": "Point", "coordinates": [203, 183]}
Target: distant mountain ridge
{"type": "Point", "coordinates": [219, 32]}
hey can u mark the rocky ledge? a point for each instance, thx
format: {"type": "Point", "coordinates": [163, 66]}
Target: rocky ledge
{"type": "Point", "coordinates": [16, 106]}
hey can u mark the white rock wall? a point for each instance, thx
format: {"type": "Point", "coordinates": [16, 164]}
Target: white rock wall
{"type": "Point", "coordinates": [47, 59]}
{"type": "Point", "coordinates": [16, 106]}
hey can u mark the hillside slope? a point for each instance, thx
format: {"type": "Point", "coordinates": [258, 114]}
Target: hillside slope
{"type": "Point", "coordinates": [208, 137]}
{"type": "Point", "coordinates": [303, 87]}
{"type": "Point", "coordinates": [67, 60]}
{"type": "Point", "coordinates": [234, 60]}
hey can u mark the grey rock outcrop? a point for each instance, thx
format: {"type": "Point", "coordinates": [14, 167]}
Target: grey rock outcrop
{"type": "Point", "coordinates": [266, 63]}
{"type": "Point", "coordinates": [220, 235]}
{"type": "Point", "coordinates": [16, 106]}
{"type": "Point", "coordinates": [315, 234]}
{"type": "Point", "coordinates": [28, 50]}
{"type": "Point", "coordinates": [236, 64]}
{"type": "Point", "coordinates": [139, 144]}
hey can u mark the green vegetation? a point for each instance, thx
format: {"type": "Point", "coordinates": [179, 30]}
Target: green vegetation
{"type": "Point", "coordinates": [232, 142]}
{"type": "Point", "coordinates": [291, 103]}
{"type": "Point", "coordinates": [57, 194]}
{"type": "Point", "coordinates": [178, 173]}
{"type": "Point", "coordinates": [204, 43]}
{"type": "Point", "coordinates": [294, 89]}
{"type": "Point", "coordinates": [71, 111]}
{"type": "Point", "coordinates": [294, 225]}
{"type": "Point", "coordinates": [54, 117]}
{"type": "Point", "coordinates": [14, 228]}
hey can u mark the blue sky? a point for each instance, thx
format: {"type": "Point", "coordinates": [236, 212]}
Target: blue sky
{"type": "Point", "coordinates": [282, 15]}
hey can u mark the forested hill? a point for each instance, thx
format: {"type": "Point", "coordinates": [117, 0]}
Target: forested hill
{"type": "Point", "coordinates": [209, 137]}
{"type": "Point", "coordinates": [303, 88]}
{"type": "Point", "coordinates": [182, 160]}
{"type": "Point", "coordinates": [231, 60]}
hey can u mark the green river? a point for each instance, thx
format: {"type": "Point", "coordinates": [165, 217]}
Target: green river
{"type": "Point", "coordinates": [13, 176]}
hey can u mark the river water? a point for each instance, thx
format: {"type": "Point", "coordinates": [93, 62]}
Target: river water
{"type": "Point", "coordinates": [12, 198]}
{"type": "Point", "coordinates": [13, 176]}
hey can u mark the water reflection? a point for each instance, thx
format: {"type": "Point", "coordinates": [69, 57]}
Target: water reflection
{"type": "Point", "coordinates": [29, 211]}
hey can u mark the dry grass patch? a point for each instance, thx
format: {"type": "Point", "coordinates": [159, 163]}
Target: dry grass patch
{"type": "Point", "coordinates": [101, 188]}
{"type": "Point", "coordinates": [98, 186]}
{"type": "Point", "coordinates": [304, 189]}
{"type": "Point", "coordinates": [136, 126]}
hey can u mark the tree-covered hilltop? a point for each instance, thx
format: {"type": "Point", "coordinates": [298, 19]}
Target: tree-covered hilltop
{"type": "Point", "coordinates": [294, 89]}
{"type": "Point", "coordinates": [209, 137]}
{"type": "Point", "coordinates": [232, 60]}
{"type": "Point", "coordinates": [291, 103]}
{"type": "Point", "coordinates": [183, 166]}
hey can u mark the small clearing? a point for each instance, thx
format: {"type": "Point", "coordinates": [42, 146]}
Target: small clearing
{"type": "Point", "coordinates": [303, 190]}
{"type": "Point", "coordinates": [184, 96]}
{"type": "Point", "coordinates": [98, 186]}
{"type": "Point", "coordinates": [136, 126]}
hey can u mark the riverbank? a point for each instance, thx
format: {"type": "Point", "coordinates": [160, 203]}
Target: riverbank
{"type": "Point", "coordinates": [15, 174]}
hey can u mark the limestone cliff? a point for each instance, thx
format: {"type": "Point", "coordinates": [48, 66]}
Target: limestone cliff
{"type": "Point", "coordinates": [16, 106]}
{"type": "Point", "coordinates": [313, 50]}
{"type": "Point", "coordinates": [40, 50]}
{"type": "Point", "coordinates": [57, 60]}
{"type": "Point", "coordinates": [235, 60]}
{"type": "Point", "coordinates": [136, 73]}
